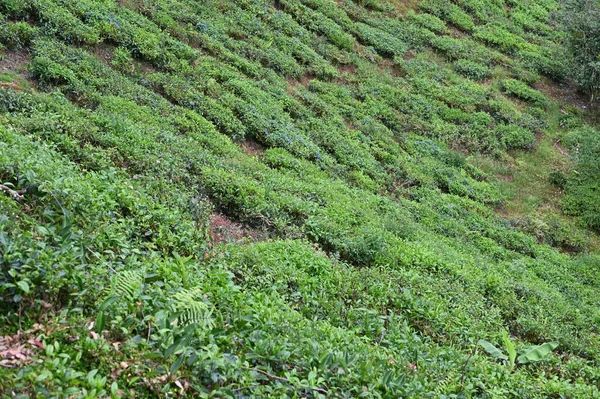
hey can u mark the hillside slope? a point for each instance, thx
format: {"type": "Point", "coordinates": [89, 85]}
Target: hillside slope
{"type": "Point", "coordinates": [299, 198]}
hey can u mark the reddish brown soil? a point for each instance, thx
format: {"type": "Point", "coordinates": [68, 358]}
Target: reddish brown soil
{"type": "Point", "coordinates": [252, 148]}
{"type": "Point", "coordinates": [349, 125]}
{"type": "Point", "coordinates": [456, 32]}
{"type": "Point", "coordinates": [388, 67]}
{"type": "Point", "coordinates": [294, 84]}
{"type": "Point", "coordinates": [10, 85]}
{"type": "Point", "coordinates": [306, 78]}
{"type": "Point", "coordinates": [224, 230]}
{"type": "Point", "coordinates": [403, 6]}
{"type": "Point", "coordinates": [349, 69]}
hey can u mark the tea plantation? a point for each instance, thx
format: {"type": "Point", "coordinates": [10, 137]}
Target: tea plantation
{"type": "Point", "coordinates": [295, 198]}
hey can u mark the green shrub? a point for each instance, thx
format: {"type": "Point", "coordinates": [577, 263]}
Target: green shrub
{"type": "Point", "coordinates": [449, 12]}
{"type": "Point", "coordinates": [394, 259]}
{"type": "Point", "coordinates": [385, 43]}
{"type": "Point", "coordinates": [523, 74]}
{"type": "Point", "coordinates": [583, 185]}
{"type": "Point", "coordinates": [569, 120]}
{"type": "Point", "coordinates": [428, 21]}
{"type": "Point", "coordinates": [558, 178]}
{"type": "Point", "coordinates": [524, 92]}
{"type": "Point", "coordinates": [496, 35]}
{"type": "Point", "coordinates": [16, 34]}
{"type": "Point", "coordinates": [122, 60]}
{"type": "Point", "coordinates": [516, 137]}
{"type": "Point", "coordinates": [552, 64]}
{"type": "Point", "coordinates": [472, 70]}
{"type": "Point", "coordinates": [581, 22]}
{"type": "Point", "coordinates": [60, 21]}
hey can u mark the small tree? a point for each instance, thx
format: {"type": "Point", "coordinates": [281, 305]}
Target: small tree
{"type": "Point", "coordinates": [581, 20]}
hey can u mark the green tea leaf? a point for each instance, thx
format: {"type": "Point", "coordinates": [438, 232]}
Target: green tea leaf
{"type": "Point", "coordinates": [23, 286]}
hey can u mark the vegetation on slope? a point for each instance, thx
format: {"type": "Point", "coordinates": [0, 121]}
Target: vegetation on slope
{"type": "Point", "coordinates": [363, 147]}
{"type": "Point", "coordinates": [581, 21]}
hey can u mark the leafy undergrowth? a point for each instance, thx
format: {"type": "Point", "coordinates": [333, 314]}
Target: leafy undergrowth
{"type": "Point", "coordinates": [362, 149]}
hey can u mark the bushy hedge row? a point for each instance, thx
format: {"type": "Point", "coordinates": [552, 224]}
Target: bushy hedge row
{"type": "Point", "coordinates": [583, 183]}
{"type": "Point", "coordinates": [389, 262]}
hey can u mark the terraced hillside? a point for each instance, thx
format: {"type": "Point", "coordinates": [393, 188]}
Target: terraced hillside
{"type": "Point", "coordinates": [295, 198]}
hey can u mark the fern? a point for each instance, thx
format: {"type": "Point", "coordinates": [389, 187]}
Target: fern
{"type": "Point", "coordinates": [191, 309]}
{"type": "Point", "coordinates": [127, 284]}
{"type": "Point", "coordinates": [446, 385]}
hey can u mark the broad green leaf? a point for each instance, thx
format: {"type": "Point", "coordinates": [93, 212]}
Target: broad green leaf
{"type": "Point", "coordinates": [23, 286]}
{"type": "Point", "coordinates": [91, 375]}
{"type": "Point", "coordinates": [537, 353]}
{"type": "Point", "coordinates": [109, 301]}
{"type": "Point", "coordinates": [510, 348]}
{"type": "Point", "coordinates": [175, 366]}
{"type": "Point", "coordinates": [171, 349]}
{"type": "Point", "coordinates": [492, 350]}
{"type": "Point", "coordinates": [387, 378]}
{"type": "Point", "coordinates": [43, 375]}
{"type": "Point", "coordinates": [100, 321]}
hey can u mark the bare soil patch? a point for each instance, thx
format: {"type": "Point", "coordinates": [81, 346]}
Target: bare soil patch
{"type": "Point", "coordinates": [252, 148]}
{"type": "Point", "coordinates": [303, 81]}
{"type": "Point", "coordinates": [104, 52]}
{"type": "Point", "coordinates": [225, 230]}
{"type": "Point", "coordinates": [403, 6]}
{"type": "Point", "coordinates": [349, 69]}
{"type": "Point", "coordinates": [15, 62]}
{"type": "Point", "coordinates": [565, 91]}
{"type": "Point", "coordinates": [539, 135]}
{"type": "Point", "coordinates": [388, 67]}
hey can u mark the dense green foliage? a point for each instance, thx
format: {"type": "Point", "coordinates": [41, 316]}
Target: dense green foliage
{"type": "Point", "coordinates": [581, 20]}
{"type": "Point", "coordinates": [583, 185]}
{"type": "Point", "coordinates": [341, 131]}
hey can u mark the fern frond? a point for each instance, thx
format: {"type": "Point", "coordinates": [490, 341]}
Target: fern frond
{"type": "Point", "coordinates": [446, 386]}
{"type": "Point", "coordinates": [191, 308]}
{"type": "Point", "coordinates": [128, 284]}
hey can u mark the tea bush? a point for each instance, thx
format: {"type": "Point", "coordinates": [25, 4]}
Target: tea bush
{"type": "Point", "coordinates": [428, 21]}
{"type": "Point", "coordinates": [582, 182]}
{"type": "Point", "coordinates": [16, 34]}
{"type": "Point", "coordinates": [289, 199]}
{"type": "Point", "coordinates": [513, 136]}
{"type": "Point", "coordinates": [580, 20]}
{"type": "Point", "coordinates": [523, 91]}
{"type": "Point", "coordinates": [472, 69]}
